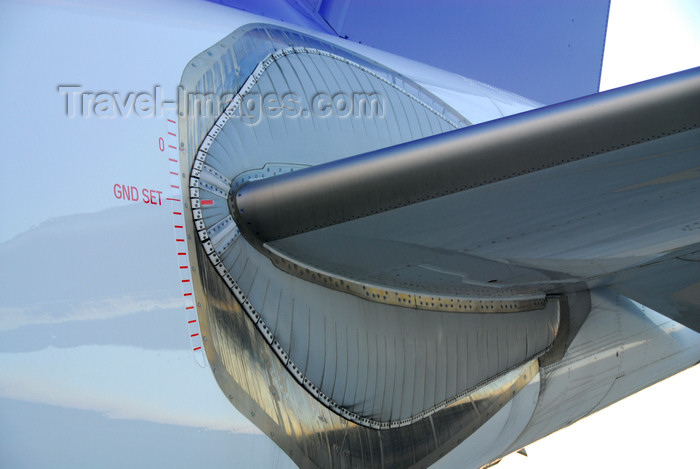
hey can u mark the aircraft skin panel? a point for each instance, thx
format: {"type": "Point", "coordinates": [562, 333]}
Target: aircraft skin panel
{"type": "Point", "coordinates": [102, 335]}
{"type": "Point", "coordinates": [508, 423]}
{"type": "Point", "coordinates": [668, 284]}
{"type": "Point", "coordinates": [622, 348]}
{"type": "Point", "coordinates": [97, 363]}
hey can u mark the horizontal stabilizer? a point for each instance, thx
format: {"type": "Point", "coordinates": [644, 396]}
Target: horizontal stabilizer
{"type": "Point", "coordinates": [463, 159]}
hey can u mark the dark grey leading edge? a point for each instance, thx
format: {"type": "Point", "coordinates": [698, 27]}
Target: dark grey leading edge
{"type": "Point", "coordinates": [363, 185]}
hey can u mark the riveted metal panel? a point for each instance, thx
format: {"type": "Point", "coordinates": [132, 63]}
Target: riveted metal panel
{"type": "Point", "coordinates": [365, 401]}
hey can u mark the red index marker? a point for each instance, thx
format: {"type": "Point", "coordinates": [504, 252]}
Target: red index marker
{"type": "Point", "coordinates": [206, 202]}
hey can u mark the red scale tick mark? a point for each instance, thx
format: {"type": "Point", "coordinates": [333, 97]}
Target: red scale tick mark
{"type": "Point", "coordinates": [177, 213]}
{"type": "Point", "coordinates": [174, 148]}
{"type": "Point", "coordinates": [192, 321]}
{"type": "Point", "coordinates": [171, 121]}
{"type": "Point", "coordinates": [170, 133]}
{"type": "Point", "coordinates": [196, 348]}
{"type": "Point", "coordinates": [180, 240]}
{"type": "Point", "coordinates": [173, 160]}
{"type": "Point", "coordinates": [186, 281]}
{"type": "Point", "coordinates": [195, 334]}
{"type": "Point", "coordinates": [189, 294]}
{"type": "Point", "coordinates": [173, 200]}
{"type": "Point", "coordinates": [190, 307]}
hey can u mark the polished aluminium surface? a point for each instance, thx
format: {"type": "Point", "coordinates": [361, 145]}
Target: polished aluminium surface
{"type": "Point", "coordinates": [436, 166]}
{"type": "Point", "coordinates": [668, 284]}
{"type": "Point", "coordinates": [226, 68]}
{"type": "Point", "coordinates": [335, 357]}
{"type": "Point", "coordinates": [621, 348]}
{"type": "Point", "coordinates": [256, 382]}
{"type": "Point", "coordinates": [380, 365]}
{"type": "Point", "coordinates": [483, 301]}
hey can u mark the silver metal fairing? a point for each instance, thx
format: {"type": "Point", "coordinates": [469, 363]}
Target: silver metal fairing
{"type": "Point", "coordinates": [336, 379]}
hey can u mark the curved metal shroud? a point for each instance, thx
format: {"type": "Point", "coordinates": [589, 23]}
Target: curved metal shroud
{"type": "Point", "coordinates": [270, 373]}
{"type": "Point", "coordinates": [250, 374]}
